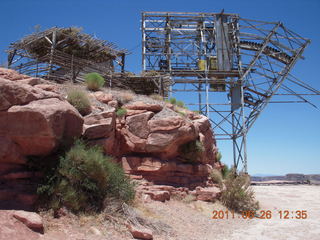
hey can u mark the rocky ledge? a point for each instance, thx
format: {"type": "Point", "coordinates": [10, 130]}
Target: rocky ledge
{"type": "Point", "coordinates": [147, 139]}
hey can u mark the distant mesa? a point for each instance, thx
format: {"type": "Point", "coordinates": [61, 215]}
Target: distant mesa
{"type": "Point", "coordinates": [290, 178]}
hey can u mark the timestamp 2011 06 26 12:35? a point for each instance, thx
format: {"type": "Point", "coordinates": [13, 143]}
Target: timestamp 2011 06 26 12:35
{"type": "Point", "coordinates": [261, 214]}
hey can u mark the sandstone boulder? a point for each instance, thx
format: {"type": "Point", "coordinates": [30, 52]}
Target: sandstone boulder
{"type": "Point", "coordinates": [13, 229]}
{"type": "Point", "coordinates": [11, 75]}
{"type": "Point", "coordinates": [147, 192]}
{"type": "Point", "coordinates": [138, 124]}
{"type": "Point", "coordinates": [99, 129]}
{"type": "Point", "coordinates": [166, 172]}
{"type": "Point", "coordinates": [113, 103]}
{"type": "Point", "coordinates": [10, 152]}
{"type": "Point", "coordinates": [30, 81]}
{"type": "Point", "coordinates": [160, 196]}
{"type": "Point", "coordinates": [103, 97]}
{"type": "Point", "coordinates": [15, 93]}
{"type": "Point", "coordinates": [95, 231]}
{"type": "Point", "coordinates": [166, 135]}
{"type": "Point", "coordinates": [100, 125]}
{"type": "Point", "coordinates": [140, 232]}
{"type": "Point", "coordinates": [30, 219]}
{"type": "Point", "coordinates": [48, 87]}
{"type": "Point", "coordinates": [208, 194]}
{"type": "Point", "coordinates": [134, 112]}
{"type": "Point", "coordinates": [144, 106]}
{"type": "Point", "coordinates": [206, 137]}
{"type": "Point", "coordinates": [38, 127]}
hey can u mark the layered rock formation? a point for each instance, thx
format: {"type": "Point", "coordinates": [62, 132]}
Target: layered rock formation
{"type": "Point", "coordinates": [147, 141]}
{"type": "Point", "coordinates": [149, 138]}
{"type": "Point", "coordinates": [33, 122]}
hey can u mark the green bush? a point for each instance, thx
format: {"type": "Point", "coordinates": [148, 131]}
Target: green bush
{"type": "Point", "coordinates": [238, 195]}
{"type": "Point", "coordinates": [218, 156]}
{"type": "Point", "coordinates": [173, 101]}
{"type": "Point", "coordinates": [191, 151]}
{"type": "Point", "coordinates": [121, 112]}
{"type": "Point", "coordinates": [84, 179]}
{"type": "Point", "coordinates": [94, 81]}
{"type": "Point", "coordinates": [80, 100]}
{"type": "Point", "coordinates": [225, 171]}
{"type": "Point", "coordinates": [180, 104]}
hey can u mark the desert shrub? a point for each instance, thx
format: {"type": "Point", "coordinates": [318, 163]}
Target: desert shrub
{"type": "Point", "coordinates": [80, 100]}
{"type": "Point", "coordinates": [225, 171]}
{"type": "Point", "coordinates": [84, 179]}
{"type": "Point", "coordinates": [216, 176]}
{"type": "Point", "coordinates": [218, 156]}
{"type": "Point", "coordinates": [125, 97]}
{"type": "Point", "coordinates": [183, 114]}
{"type": "Point", "coordinates": [121, 112]}
{"type": "Point", "coordinates": [94, 81]}
{"type": "Point", "coordinates": [189, 198]}
{"type": "Point", "coordinates": [173, 101]}
{"type": "Point", "coordinates": [191, 151]}
{"type": "Point", "coordinates": [156, 97]}
{"type": "Point", "coordinates": [151, 73]}
{"type": "Point", "coordinates": [196, 111]}
{"type": "Point", "coordinates": [238, 195]}
{"type": "Point", "coordinates": [129, 74]}
{"type": "Point", "coordinates": [180, 104]}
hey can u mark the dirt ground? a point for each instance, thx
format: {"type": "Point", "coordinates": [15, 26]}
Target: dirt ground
{"type": "Point", "coordinates": [280, 198]}
{"type": "Point", "coordinates": [176, 220]}
{"type": "Point", "coordinates": [192, 221]}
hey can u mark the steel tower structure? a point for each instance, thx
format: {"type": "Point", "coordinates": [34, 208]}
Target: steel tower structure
{"type": "Point", "coordinates": [230, 67]}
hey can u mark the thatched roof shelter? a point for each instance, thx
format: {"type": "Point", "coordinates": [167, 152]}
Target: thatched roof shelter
{"type": "Point", "coordinates": [63, 53]}
{"type": "Point", "coordinates": [67, 54]}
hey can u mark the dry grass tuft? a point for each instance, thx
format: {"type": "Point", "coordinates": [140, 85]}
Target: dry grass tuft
{"type": "Point", "coordinates": [238, 195]}
{"type": "Point", "coordinates": [80, 100]}
{"type": "Point", "coordinates": [216, 176]}
{"type": "Point", "coordinates": [125, 97]}
{"type": "Point", "coordinates": [189, 198]}
{"type": "Point", "coordinates": [156, 97]}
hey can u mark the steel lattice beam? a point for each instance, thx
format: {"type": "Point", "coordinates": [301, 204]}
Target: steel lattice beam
{"type": "Point", "coordinates": [230, 67]}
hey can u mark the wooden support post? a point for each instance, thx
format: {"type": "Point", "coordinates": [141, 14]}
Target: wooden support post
{"type": "Point", "coordinates": [37, 71]}
{"type": "Point", "coordinates": [53, 45]}
{"type": "Point", "coordinates": [11, 57]}
{"type": "Point", "coordinates": [123, 59]}
{"type": "Point", "coordinates": [72, 70]}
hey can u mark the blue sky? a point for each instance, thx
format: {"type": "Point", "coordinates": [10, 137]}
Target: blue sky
{"type": "Point", "coordinates": [286, 136]}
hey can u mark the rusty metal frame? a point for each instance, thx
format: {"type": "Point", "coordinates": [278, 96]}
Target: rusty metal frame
{"type": "Point", "coordinates": [261, 55]}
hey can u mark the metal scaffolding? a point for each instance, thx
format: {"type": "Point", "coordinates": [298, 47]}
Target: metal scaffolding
{"type": "Point", "coordinates": [229, 66]}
